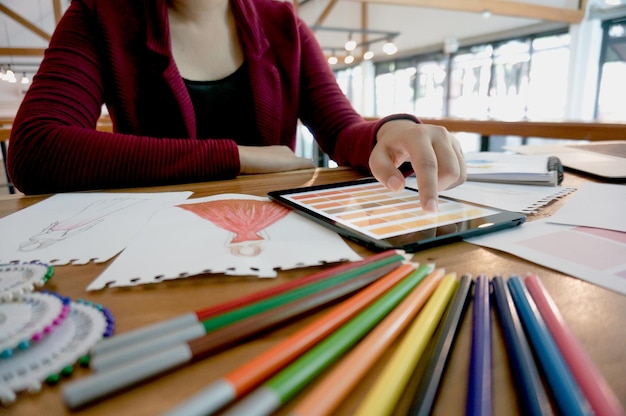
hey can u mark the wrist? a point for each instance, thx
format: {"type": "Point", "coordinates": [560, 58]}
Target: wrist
{"type": "Point", "coordinates": [394, 125]}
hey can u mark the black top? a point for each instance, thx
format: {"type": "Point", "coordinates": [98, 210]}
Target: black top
{"type": "Point", "coordinates": [222, 105]}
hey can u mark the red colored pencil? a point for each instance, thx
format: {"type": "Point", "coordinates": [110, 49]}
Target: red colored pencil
{"type": "Point", "coordinates": [593, 385]}
{"type": "Point", "coordinates": [108, 381]}
{"type": "Point", "coordinates": [251, 374]}
{"type": "Point", "coordinates": [146, 333]}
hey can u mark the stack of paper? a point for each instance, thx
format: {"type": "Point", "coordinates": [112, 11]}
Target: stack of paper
{"type": "Point", "coordinates": [586, 238]}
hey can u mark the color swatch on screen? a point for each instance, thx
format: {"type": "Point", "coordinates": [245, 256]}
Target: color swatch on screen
{"type": "Point", "coordinates": [379, 213]}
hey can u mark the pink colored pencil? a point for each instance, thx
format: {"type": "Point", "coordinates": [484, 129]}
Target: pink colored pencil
{"type": "Point", "coordinates": [594, 386]}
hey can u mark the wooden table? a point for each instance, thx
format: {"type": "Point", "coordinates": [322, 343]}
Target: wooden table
{"type": "Point", "coordinates": [595, 315]}
{"type": "Point", "coordinates": [566, 129]}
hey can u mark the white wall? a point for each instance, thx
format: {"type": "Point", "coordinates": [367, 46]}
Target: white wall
{"type": "Point", "coordinates": [10, 98]}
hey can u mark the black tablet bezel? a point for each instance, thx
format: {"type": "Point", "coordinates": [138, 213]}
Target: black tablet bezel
{"type": "Point", "coordinates": [410, 242]}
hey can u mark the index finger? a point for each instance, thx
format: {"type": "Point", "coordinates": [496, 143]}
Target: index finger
{"type": "Point", "coordinates": [426, 167]}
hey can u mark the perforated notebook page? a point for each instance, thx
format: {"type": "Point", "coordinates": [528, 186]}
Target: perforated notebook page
{"type": "Point", "coordinates": [517, 198]}
{"type": "Point", "coordinates": [234, 234]}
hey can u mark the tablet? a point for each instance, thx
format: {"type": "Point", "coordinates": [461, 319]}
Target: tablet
{"type": "Point", "coordinates": [366, 212]}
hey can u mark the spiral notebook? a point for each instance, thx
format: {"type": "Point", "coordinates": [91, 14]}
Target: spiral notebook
{"type": "Point", "coordinates": [603, 159]}
{"type": "Point", "coordinates": [514, 168]}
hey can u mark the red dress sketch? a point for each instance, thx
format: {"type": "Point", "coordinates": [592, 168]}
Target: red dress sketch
{"type": "Point", "coordinates": [245, 218]}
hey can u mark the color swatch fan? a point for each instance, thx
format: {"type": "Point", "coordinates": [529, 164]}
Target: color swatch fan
{"type": "Point", "coordinates": [18, 278]}
{"type": "Point", "coordinates": [28, 320]}
{"type": "Point", "coordinates": [71, 340]}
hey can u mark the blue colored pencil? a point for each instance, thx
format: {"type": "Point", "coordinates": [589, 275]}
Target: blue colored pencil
{"type": "Point", "coordinates": [479, 400]}
{"type": "Point", "coordinates": [601, 398]}
{"type": "Point", "coordinates": [534, 397]}
{"type": "Point", "coordinates": [566, 392]}
{"type": "Point", "coordinates": [426, 392]}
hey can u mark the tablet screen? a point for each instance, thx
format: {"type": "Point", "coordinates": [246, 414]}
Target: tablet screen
{"type": "Point", "coordinates": [375, 215]}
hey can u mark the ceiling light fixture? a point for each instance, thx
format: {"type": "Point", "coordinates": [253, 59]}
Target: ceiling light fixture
{"type": "Point", "coordinates": [390, 48]}
{"type": "Point", "coordinates": [10, 76]}
{"type": "Point", "coordinates": [350, 44]}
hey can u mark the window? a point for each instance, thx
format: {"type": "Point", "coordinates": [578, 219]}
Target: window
{"type": "Point", "coordinates": [508, 92]}
{"type": "Point", "coordinates": [470, 75]}
{"type": "Point", "coordinates": [549, 66]}
{"type": "Point", "coordinates": [431, 89]}
{"type": "Point", "coordinates": [395, 88]}
{"type": "Point", "coordinates": [516, 79]}
{"type": "Point", "coordinates": [612, 86]}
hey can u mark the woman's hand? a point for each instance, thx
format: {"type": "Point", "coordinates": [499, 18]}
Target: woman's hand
{"type": "Point", "coordinates": [268, 159]}
{"type": "Point", "coordinates": [434, 153]}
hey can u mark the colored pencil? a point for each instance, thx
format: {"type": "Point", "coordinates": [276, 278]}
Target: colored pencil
{"type": "Point", "coordinates": [565, 391]}
{"type": "Point", "coordinates": [479, 401]}
{"type": "Point", "coordinates": [103, 383]}
{"type": "Point", "coordinates": [284, 385]}
{"type": "Point", "coordinates": [343, 378]}
{"type": "Point", "coordinates": [426, 392]}
{"type": "Point", "coordinates": [145, 333]}
{"type": "Point", "coordinates": [128, 354]}
{"type": "Point", "coordinates": [384, 394]}
{"type": "Point", "coordinates": [525, 373]}
{"type": "Point", "coordinates": [248, 376]}
{"type": "Point", "coordinates": [594, 386]}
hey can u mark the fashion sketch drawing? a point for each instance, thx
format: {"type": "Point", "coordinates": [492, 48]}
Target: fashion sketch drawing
{"type": "Point", "coordinates": [246, 219]}
{"type": "Point", "coordinates": [84, 220]}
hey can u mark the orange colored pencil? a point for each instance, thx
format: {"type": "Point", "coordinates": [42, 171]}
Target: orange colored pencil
{"type": "Point", "coordinates": [245, 378]}
{"type": "Point", "coordinates": [329, 393]}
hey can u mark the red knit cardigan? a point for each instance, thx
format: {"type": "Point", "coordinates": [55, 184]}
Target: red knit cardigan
{"type": "Point", "coordinates": [117, 53]}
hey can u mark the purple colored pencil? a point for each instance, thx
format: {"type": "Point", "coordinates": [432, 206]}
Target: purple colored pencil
{"type": "Point", "coordinates": [479, 402]}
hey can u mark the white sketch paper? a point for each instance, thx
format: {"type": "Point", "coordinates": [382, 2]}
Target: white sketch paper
{"type": "Point", "coordinates": [598, 205]}
{"type": "Point", "coordinates": [234, 234]}
{"type": "Point", "coordinates": [79, 227]}
{"type": "Point", "coordinates": [592, 254]}
{"type": "Point", "coordinates": [512, 197]}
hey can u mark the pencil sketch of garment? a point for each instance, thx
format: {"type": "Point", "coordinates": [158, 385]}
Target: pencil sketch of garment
{"type": "Point", "coordinates": [247, 219]}
{"type": "Point", "coordinates": [87, 218]}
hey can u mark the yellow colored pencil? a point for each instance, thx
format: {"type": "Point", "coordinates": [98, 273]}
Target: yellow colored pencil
{"type": "Point", "coordinates": [384, 394]}
{"type": "Point", "coordinates": [329, 393]}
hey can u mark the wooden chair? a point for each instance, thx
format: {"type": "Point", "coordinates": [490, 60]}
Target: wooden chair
{"type": "Point", "coordinates": [3, 147]}
{"type": "Point", "coordinates": [4, 139]}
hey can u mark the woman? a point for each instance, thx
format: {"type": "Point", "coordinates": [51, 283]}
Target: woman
{"type": "Point", "coordinates": [201, 90]}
